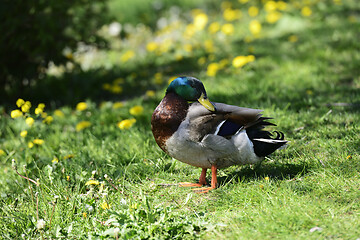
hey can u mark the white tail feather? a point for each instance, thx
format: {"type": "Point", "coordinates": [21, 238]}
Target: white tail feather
{"type": "Point", "coordinates": [270, 140]}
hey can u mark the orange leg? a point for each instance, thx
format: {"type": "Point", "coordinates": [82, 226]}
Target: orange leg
{"type": "Point", "coordinates": [213, 181]}
{"type": "Point", "coordinates": [202, 181]}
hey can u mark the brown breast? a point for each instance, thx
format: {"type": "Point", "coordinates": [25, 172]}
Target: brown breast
{"type": "Point", "coordinates": [167, 117]}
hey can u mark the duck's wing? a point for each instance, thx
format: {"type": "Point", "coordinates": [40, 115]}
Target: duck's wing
{"type": "Point", "coordinates": [226, 121]}
{"type": "Point", "coordinates": [239, 115]}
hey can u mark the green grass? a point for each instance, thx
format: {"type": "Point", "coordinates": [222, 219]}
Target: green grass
{"type": "Point", "coordinates": [314, 182]}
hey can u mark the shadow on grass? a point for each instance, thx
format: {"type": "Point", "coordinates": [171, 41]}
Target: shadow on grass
{"type": "Point", "coordinates": [273, 171]}
{"type": "Point", "coordinates": [78, 85]}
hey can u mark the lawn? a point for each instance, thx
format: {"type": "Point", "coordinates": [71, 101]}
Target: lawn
{"type": "Point", "coordinates": [85, 164]}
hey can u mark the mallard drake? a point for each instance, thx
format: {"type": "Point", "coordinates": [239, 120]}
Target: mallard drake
{"type": "Point", "coordinates": [209, 135]}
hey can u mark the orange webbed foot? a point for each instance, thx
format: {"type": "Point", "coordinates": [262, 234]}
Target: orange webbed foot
{"type": "Point", "coordinates": [203, 190]}
{"type": "Point", "coordinates": [188, 184]}
{"type": "Point", "coordinates": [203, 182]}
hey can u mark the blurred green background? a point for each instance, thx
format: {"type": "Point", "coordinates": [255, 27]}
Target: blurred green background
{"type": "Point", "coordinates": [65, 52]}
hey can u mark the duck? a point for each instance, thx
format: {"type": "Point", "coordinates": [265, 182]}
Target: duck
{"type": "Point", "coordinates": [190, 128]}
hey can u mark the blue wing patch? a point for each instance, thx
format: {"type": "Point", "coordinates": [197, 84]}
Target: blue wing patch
{"type": "Point", "coordinates": [227, 128]}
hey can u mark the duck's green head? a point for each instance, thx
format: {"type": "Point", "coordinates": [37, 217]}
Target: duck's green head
{"type": "Point", "coordinates": [190, 89]}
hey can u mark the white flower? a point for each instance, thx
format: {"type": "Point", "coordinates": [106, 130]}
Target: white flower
{"type": "Point", "coordinates": [89, 208]}
{"type": "Point", "coordinates": [114, 29]}
{"type": "Point", "coordinates": [40, 224]}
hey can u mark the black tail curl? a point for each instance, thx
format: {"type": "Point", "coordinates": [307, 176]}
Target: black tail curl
{"type": "Point", "coordinates": [265, 142]}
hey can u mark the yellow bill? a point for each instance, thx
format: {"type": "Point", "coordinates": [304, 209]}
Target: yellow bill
{"type": "Point", "coordinates": [206, 103]}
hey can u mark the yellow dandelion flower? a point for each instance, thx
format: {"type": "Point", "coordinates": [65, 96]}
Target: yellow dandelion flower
{"type": "Point", "coordinates": [253, 11]}
{"type": "Point", "coordinates": [228, 29]}
{"type": "Point", "coordinates": [189, 31]}
{"type": "Point", "coordinates": [2, 152]}
{"type": "Point", "coordinates": [270, 6]}
{"type": "Point", "coordinates": [135, 206]}
{"type": "Point", "coordinates": [106, 86]}
{"type": "Point", "coordinates": [212, 69]}
{"type": "Point", "coordinates": [273, 17]}
{"type": "Point", "coordinates": [116, 89]}
{"type": "Point", "coordinates": [188, 47]}
{"type": "Point", "coordinates": [223, 63]}
{"type": "Point", "coordinates": [82, 125]}
{"type": "Point", "coordinates": [200, 21]}
{"type": "Point", "coordinates": [136, 110]}
{"type": "Point", "coordinates": [293, 38]}
{"type": "Point", "coordinates": [127, 55]}
{"type": "Point", "coordinates": [349, 157]}
{"type": "Point", "coordinates": [306, 11]}
{"type": "Point", "coordinates": [84, 214]}
{"type": "Point", "coordinates": [250, 58]}
{"type": "Point", "coordinates": [26, 107]}
{"type": "Point", "coordinates": [255, 27]}
{"type": "Point", "coordinates": [55, 160]}
{"type": "Point", "coordinates": [126, 124]}
{"type": "Point", "coordinates": [158, 78]}
{"type": "Point", "coordinates": [68, 178]}
{"type": "Point", "coordinates": [117, 105]}
{"type": "Point", "coordinates": [201, 61]}
{"type": "Point", "coordinates": [105, 205]}
{"type": "Point", "coordinates": [239, 61]}
{"type": "Point", "coordinates": [267, 178]}
{"type": "Point", "coordinates": [92, 182]}
{"type": "Point", "coordinates": [81, 106]}
{"type": "Point", "coordinates": [23, 133]}
{"type": "Point", "coordinates": [209, 46]}
{"type": "Point", "coordinates": [38, 141]}
{"type": "Point", "coordinates": [38, 111]}
{"type": "Point", "coordinates": [44, 115]}
{"type": "Point", "coordinates": [41, 106]}
{"type": "Point", "coordinates": [232, 14]}
{"type": "Point", "coordinates": [69, 156]}
{"type": "Point", "coordinates": [20, 102]}
{"type": "Point", "coordinates": [16, 113]}
{"type": "Point", "coordinates": [59, 113]}
{"type": "Point", "coordinates": [48, 119]}
{"type": "Point", "coordinates": [214, 27]}
{"type": "Point", "coordinates": [30, 144]}
{"type": "Point", "coordinates": [150, 93]}
{"type": "Point", "coordinates": [151, 46]}
{"type": "Point", "coordinates": [29, 121]}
